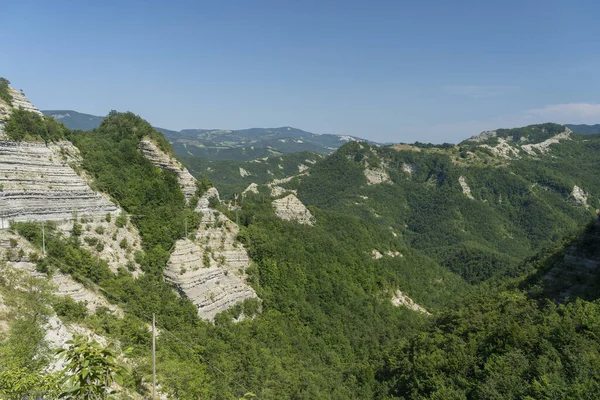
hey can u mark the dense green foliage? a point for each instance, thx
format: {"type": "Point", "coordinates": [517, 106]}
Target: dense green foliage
{"type": "Point", "coordinates": [501, 345]}
{"type": "Point", "coordinates": [28, 126]}
{"type": "Point", "coordinates": [4, 91]}
{"type": "Point", "coordinates": [325, 326]}
{"type": "Point", "coordinates": [151, 195]}
{"type": "Point", "coordinates": [91, 369]}
{"type": "Point", "coordinates": [518, 208]}
{"type": "Point", "coordinates": [226, 176]}
{"type": "Point", "coordinates": [584, 129]}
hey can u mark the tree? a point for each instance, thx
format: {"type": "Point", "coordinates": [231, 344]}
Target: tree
{"type": "Point", "coordinates": [91, 369]}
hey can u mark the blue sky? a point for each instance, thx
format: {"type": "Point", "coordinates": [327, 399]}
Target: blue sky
{"type": "Point", "coordinates": [394, 71]}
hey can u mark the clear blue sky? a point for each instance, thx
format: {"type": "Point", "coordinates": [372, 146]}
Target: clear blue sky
{"type": "Point", "coordinates": [385, 70]}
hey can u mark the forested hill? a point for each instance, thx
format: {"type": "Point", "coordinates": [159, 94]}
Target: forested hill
{"type": "Point", "coordinates": [396, 272]}
{"type": "Point", "coordinates": [584, 129]}
{"type": "Point", "coordinates": [220, 144]}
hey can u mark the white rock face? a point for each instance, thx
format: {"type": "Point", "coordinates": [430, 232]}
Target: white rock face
{"type": "Point", "coordinates": [408, 168]}
{"type": "Point", "coordinates": [376, 254]}
{"type": "Point", "coordinates": [485, 135]}
{"type": "Point", "coordinates": [20, 101]}
{"type": "Point", "coordinates": [38, 185]}
{"type": "Point", "coordinates": [393, 253]}
{"type": "Point", "coordinates": [580, 196]}
{"type": "Point", "coordinates": [400, 299]}
{"type": "Point", "coordinates": [302, 168]}
{"type": "Point", "coordinates": [210, 270]}
{"type": "Point", "coordinates": [376, 176]}
{"type": "Point", "coordinates": [290, 208]}
{"type": "Point", "coordinates": [503, 149]}
{"type": "Point", "coordinates": [465, 188]}
{"type": "Point", "coordinates": [252, 188]}
{"type": "Point", "coordinates": [243, 172]}
{"type": "Point", "coordinates": [37, 181]}
{"type": "Point", "coordinates": [67, 286]}
{"type": "Point", "coordinates": [544, 146]}
{"type": "Point", "coordinates": [187, 183]}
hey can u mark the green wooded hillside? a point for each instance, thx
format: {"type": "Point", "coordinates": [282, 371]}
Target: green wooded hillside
{"type": "Point", "coordinates": [325, 326]}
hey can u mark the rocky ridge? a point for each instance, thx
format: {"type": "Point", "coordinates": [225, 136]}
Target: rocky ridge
{"type": "Point", "coordinates": [289, 208]}
{"type": "Point", "coordinates": [209, 267]}
{"type": "Point", "coordinates": [187, 183]}
{"type": "Point", "coordinates": [38, 181]}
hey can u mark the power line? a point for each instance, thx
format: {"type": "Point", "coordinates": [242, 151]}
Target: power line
{"type": "Point", "coordinates": [145, 316]}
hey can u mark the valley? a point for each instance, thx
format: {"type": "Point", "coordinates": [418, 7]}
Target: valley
{"type": "Point", "coordinates": [289, 265]}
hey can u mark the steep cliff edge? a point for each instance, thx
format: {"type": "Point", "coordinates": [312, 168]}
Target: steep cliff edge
{"type": "Point", "coordinates": [38, 181]}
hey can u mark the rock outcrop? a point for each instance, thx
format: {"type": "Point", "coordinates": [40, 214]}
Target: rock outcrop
{"type": "Point", "coordinates": [544, 147]}
{"type": "Point", "coordinates": [289, 208]}
{"type": "Point", "coordinates": [580, 196]}
{"type": "Point", "coordinates": [252, 188]}
{"type": "Point", "coordinates": [38, 182]}
{"type": "Point", "coordinates": [400, 299]}
{"type": "Point", "coordinates": [376, 176]}
{"type": "Point", "coordinates": [210, 269]}
{"type": "Point", "coordinates": [187, 183]}
{"type": "Point", "coordinates": [462, 181]}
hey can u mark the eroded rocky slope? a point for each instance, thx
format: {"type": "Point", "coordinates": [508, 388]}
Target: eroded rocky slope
{"type": "Point", "coordinates": [38, 181]}
{"type": "Point", "coordinates": [209, 266]}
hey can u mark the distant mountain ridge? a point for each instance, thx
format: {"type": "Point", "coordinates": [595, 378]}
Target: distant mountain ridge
{"type": "Point", "coordinates": [584, 128]}
{"type": "Point", "coordinates": [220, 144]}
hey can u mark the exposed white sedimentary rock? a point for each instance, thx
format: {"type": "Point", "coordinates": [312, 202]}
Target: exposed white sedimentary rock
{"type": "Point", "coordinates": [210, 270]}
{"type": "Point", "coordinates": [290, 208]}
{"type": "Point", "coordinates": [408, 168]}
{"type": "Point", "coordinates": [37, 181]}
{"type": "Point", "coordinates": [187, 183]}
{"type": "Point", "coordinates": [400, 299]}
{"type": "Point", "coordinates": [38, 184]}
{"type": "Point", "coordinates": [252, 188]}
{"type": "Point", "coordinates": [376, 176]}
{"type": "Point", "coordinates": [465, 187]}
{"type": "Point", "coordinates": [483, 136]}
{"type": "Point", "coordinates": [67, 286]}
{"type": "Point", "coordinates": [580, 196]}
{"type": "Point", "coordinates": [302, 168]}
{"type": "Point", "coordinates": [243, 172]}
{"type": "Point", "coordinates": [503, 149]}
{"type": "Point", "coordinates": [544, 146]}
{"type": "Point", "coordinates": [393, 253]}
{"type": "Point", "coordinates": [376, 254]}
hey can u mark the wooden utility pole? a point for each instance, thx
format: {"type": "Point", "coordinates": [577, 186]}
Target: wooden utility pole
{"type": "Point", "coordinates": [153, 356]}
{"type": "Point", "coordinates": [43, 239]}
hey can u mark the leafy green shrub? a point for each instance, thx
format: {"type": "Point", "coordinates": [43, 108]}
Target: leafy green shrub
{"type": "Point", "coordinates": [92, 241]}
{"type": "Point", "coordinates": [68, 308]}
{"type": "Point", "coordinates": [4, 92]}
{"type": "Point", "coordinates": [121, 221]}
{"type": "Point", "coordinates": [100, 229]}
{"type": "Point", "coordinates": [27, 125]}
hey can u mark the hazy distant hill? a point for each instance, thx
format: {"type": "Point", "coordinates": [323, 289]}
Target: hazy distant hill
{"type": "Point", "coordinates": [75, 120]}
{"type": "Point", "coordinates": [584, 129]}
{"type": "Point", "coordinates": [217, 144]}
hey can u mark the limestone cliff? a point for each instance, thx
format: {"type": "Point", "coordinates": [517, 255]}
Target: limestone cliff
{"type": "Point", "coordinates": [209, 269]}
{"type": "Point", "coordinates": [289, 208]}
{"type": "Point", "coordinates": [38, 182]}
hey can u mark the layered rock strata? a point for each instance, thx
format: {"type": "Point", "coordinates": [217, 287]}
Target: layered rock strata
{"type": "Point", "coordinates": [210, 269]}
{"type": "Point", "coordinates": [37, 180]}
{"type": "Point", "coordinates": [187, 183]}
{"type": "Point", "coordinates": [289, 208]}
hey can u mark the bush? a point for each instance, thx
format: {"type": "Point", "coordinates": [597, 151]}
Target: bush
{"type": "Point", "coordinates": [27, 125]}
{"type": "Point", "coordinates": [4, 92]}
{"type": "Point", "coordinates": [69, 309]}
